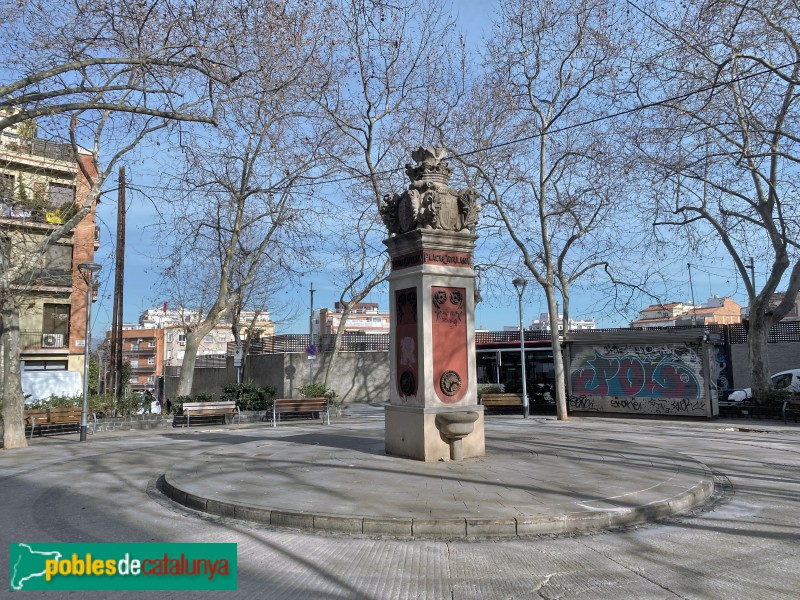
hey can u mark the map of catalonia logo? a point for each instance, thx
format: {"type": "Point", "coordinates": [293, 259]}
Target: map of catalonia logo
{"type": "Point", "coordinates": [122, 566]}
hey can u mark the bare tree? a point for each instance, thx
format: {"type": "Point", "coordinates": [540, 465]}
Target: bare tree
{"type": "Point", "coordinates": [393, 64]}
{"type": "Point", "coordinates": [723, 149]}
{"type": "Point", "coordinates": [109, 74]}
{"type": "Point", "coordinates": [551, 69]}
{"type": "Point", "coordinates": [241, 218]}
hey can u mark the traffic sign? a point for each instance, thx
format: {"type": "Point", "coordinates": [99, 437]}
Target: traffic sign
{"type": "Point", "coordinates": [312, 350]}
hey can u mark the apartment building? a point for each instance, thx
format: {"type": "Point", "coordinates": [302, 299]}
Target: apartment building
{"type": "Point", "coordinates": [41, 186]}
{"type": "Point", "coordinates": [366, 317]}
{"type": "Point", "coordinates": [715, 311]}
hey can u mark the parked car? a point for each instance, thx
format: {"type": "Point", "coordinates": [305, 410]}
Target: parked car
{"type": "Point", "coordinates": [785, 380]}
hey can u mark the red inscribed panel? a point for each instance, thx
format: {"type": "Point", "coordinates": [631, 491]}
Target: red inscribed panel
{"type": "Point", "coordinates": [449, 334]}
{"type": "Point", "coordinates": [406, 340]}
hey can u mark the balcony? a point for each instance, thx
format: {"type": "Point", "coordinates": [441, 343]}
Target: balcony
{"type": "Point", "coordinates": [38, 340]}
{"type": "Point", "coordinates": [38, 147]}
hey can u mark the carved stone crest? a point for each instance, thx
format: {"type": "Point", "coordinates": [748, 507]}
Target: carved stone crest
{"type": "Point", "coordinates": [450, 383]}
{"type": "Point", "coordinates": [429, 202]}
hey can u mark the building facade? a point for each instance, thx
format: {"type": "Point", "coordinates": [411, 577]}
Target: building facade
{"type": "Point", "coordinates": [41, 186]}
{"type": "Point", "coordinates": [716, 311]}
{"type": "Point", "coordinates": [543, 323]}
{"type": "Point", "coordinates": [366, 317]}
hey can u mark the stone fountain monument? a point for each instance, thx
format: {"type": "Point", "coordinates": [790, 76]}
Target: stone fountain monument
{"type": "Point", "coordinates": [433, 411]}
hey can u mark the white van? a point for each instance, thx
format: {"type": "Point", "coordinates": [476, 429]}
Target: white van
{"type": "Point", "coordinates": [785, 380]}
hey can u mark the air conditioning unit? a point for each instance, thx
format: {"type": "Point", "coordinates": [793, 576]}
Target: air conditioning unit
{"type": "Point", "coordinates": [182, 343]}
{"type": "Point", "coordinates": [52, 340]}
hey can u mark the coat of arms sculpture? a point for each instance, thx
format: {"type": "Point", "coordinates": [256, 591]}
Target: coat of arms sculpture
{"type": "Point", "coordinates": [429, 202]}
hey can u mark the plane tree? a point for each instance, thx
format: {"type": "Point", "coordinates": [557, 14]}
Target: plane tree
{"type": "Point", "coordinates": [721, 143]}
{"type": "Point", "coordinates": [101, 77]}
{"type": "Point", "coordinates": [554, 183]}
{"type": "Point", "coordinates": [393, 68]}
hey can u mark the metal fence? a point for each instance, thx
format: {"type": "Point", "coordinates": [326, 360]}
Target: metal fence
{"type": "Point", "coordinates": [782, 332]}
{"type": "Point", "coordinates": [787, 331]}
{"type": "Point", "coordinates": [36, 338]}
{"type": "Point", "coordinates": [351, 342]}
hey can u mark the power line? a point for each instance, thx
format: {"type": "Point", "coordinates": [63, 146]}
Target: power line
{"type": "Point", "coordinates": [621, 113]}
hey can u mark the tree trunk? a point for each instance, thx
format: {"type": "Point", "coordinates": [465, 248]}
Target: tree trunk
{"type": "Point", "coordinates": [193, 338]}
{"type": "Point", "coordinates": [558, 357]}
{"type": "Point", "coordinates": [13, 399]}
{"type": "Point", "coordinates": [757, 346]}
{"type": "Point", "coordinates": [337, 340]}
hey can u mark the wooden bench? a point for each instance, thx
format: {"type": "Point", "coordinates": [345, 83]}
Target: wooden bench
{"type": "Point", "coordinates": [295, 406]}
{"type": "Point", "coordinates": [505, 399]}
{"type": "Point", "coordinates": [56, 420]}
{"type": "Point", "coordinates": [791, 407]}
{"type": "Point", "coordinates": [205, 412]}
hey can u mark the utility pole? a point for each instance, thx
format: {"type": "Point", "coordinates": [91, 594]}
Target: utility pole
{"type": "Point", "coordinates": [119, 279]}
{"type": "Point", "coordinates": [691, 287]}
{"type": "Point", "coordinates": [311, 334]}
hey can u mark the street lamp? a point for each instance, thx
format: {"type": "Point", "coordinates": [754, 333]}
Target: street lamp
{"type": "Point", "coordinates": [520, 284]}
{"type": "Point", "coordinates": [87, 271]}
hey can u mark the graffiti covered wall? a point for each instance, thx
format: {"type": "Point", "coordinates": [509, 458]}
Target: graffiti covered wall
{"type": "Point", "coordinates": [657, 379]}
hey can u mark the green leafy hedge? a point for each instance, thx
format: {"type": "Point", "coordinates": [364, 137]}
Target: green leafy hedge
{"type": "Point", "coordinates": [249, 397]}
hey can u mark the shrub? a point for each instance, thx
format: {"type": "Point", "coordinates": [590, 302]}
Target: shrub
{"type": "Point", "coordinates": [320, 390]}
{"type": "Point", "coordinates": [773, 397]}
{"type": "Point", "coordinates": [489, 389]}
{"type": "Point", "coordinates": [177, 403]}
{"type": "Point", "coordinates": [249, 397]}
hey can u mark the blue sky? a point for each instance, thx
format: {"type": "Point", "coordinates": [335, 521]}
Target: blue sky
{"type": "Point", "coordinates": [711, 275]}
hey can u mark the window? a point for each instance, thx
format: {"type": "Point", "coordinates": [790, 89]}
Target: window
{"type": "Point", "coordinates": [151, 344]}
{"type": "Point", "coordinates": [6, 187]}
{"type": "Point", "coordinates": [151, 361]}
{"type": "Point", "coordinates": [135, 364]}
{"type": "Point", "coordinates": [208, 338]}
{"type": "Point", "coordinates": [134, 346]}
{"type": "Point", "coordinates": [55, 319]}
{"type": "Point", "coordinates": [782, 381]}
{"type": "Point", "coordinates": [57, 266]}
{"type": "Point", "coordinates": [150, 379]}
{"type": "Point", "coordinates": [182, 337]}
{"type": "Point", "coordinates": [169, 354]}
{"type": "Point", "coordinates": [45, 365]}
{"type": "Point", "coordinates": [169, 337]}
{"type": "Point", "coordinates": [61, 194]}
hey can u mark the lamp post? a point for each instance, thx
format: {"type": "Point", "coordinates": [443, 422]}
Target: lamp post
{"type": "Point", "coordinates": [520, 284]}
{"type": "Point", "coordinates": [87, 271]}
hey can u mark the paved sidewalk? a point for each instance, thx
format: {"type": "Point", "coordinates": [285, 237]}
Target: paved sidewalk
{"type": "Point", "coordinates": [740, 546]}
{"type": "Point", "coordinates": [554, 479]}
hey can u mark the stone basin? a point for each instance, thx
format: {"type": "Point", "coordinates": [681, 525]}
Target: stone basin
{"type": "Point", "coordinates": [455, 426]}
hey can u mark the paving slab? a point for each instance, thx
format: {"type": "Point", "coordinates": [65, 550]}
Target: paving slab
{"type": "Point", "coordinates": [556, 481]}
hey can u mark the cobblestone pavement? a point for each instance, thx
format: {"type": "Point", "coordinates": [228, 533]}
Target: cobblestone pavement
{"type": "Point", "coordinates": [744, 544]}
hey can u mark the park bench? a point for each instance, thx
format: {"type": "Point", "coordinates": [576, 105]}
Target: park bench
{"type": "Point", "coordinates": [791, 408]}
{"type": "Point", "coordinates": [204, 413]}
{"type": "Point", "coordinates": [299, 406]}
{"type": "Point", "coordinates": [504, 399]}
{"type": "Point", "coordinates": [56, 420]}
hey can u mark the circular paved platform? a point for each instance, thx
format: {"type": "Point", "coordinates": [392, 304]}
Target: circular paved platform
{"type": "Point", "coordinates": [540, 479]}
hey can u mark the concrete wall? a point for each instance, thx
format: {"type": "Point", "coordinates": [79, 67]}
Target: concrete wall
{"type": "Point", "coordinates": [356, 376]}
{"type": "Point", "coordinates": [782, 356]}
